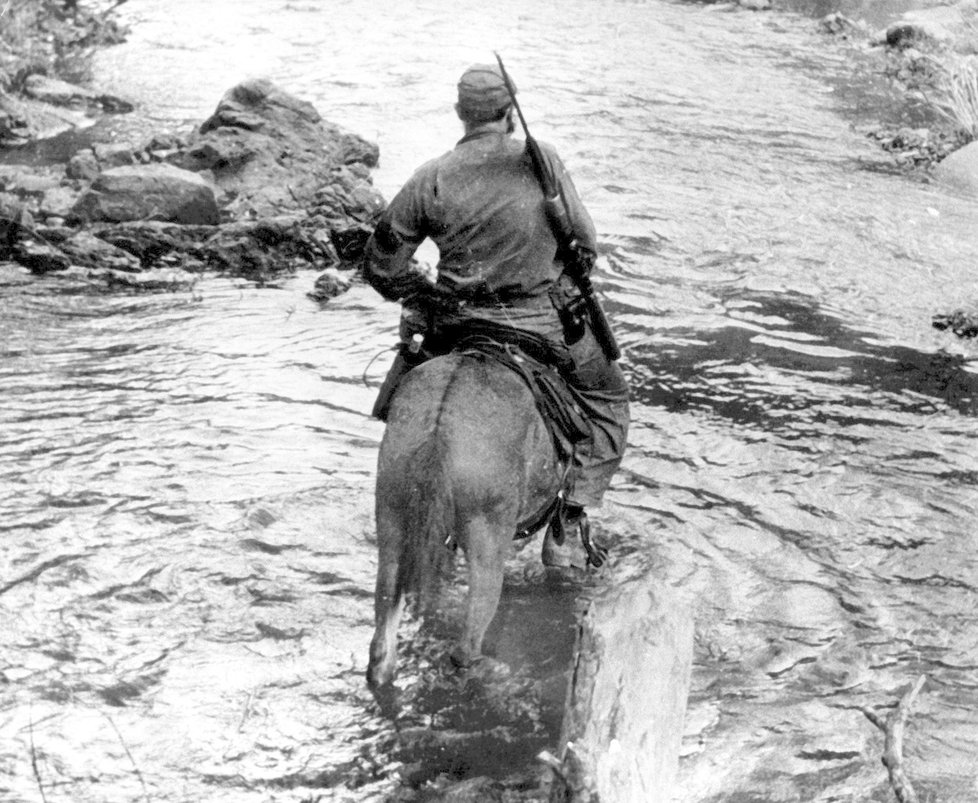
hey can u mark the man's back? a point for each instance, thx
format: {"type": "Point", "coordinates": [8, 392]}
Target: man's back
{"type": "Point", "coordinates": [482, 206]}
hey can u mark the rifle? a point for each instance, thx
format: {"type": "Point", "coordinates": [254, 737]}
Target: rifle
{"type": "Point", "coordinates": [579, 261]}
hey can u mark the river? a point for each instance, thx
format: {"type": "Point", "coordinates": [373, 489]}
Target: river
{"type": "Point", "coordinates": [186, 496]}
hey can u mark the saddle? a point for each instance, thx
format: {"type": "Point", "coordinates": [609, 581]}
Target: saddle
{"type": "Point", "coordinates": [540, 364]}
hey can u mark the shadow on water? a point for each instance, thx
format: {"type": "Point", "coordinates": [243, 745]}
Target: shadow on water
{"type": "Point", "coordinates": [491, 720]}
{"type": "Point", "coordinates": [845, 363]}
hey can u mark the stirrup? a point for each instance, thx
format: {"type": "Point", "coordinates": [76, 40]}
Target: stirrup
{"type": "Point", "coordinates": [596, 554]}
{"type": "Point", "coordinates": [567, 516]}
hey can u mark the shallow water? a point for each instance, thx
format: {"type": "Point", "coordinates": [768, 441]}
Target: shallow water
{"type": "Point", "coordinates": [186, 489]}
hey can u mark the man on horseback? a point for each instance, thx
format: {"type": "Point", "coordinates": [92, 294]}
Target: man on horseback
{"type": "Point", "coordinates": [500, 264]}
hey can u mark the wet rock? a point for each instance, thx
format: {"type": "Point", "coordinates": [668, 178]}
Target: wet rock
{"type": "Point", "coordinates": [261, 247]}
{"type": "Point", "coordinates": [264, 186]}
{"type": "Point", "coordinates": [154, 280]}
{"type": "Point", "coordinates": [16, 223]}
{"type": "Point", "coordinates": [85, 249]}
{"type": "Point", "coordinates": [61, 93]}
{"type": "Point", "coordinates": [83, 165]}
{"type": "Point", "coordinates": [57, 202]}
{"type": "Point", "coordinates": [350, 243]}
{"type": "Point", "coordinates": [40, 258]}
{"type": "Point", "coordinates": [961, 322]}
{"type": "Point", "coordinates": [347, 194]}
{"type": "Point", "coordinates": [842, 26]}
{"type": "Point", "coordinates": [329, 284]}
{"type": "Point", "coordinates": [109, 155]}
{"type": "Point", "coordinates": [944, 25]}
{"type": "Point", "coordinates": [24, 120]}
{"type": "Point", "coordinates": [960, 169]}
{"type": "Point", "coordinates": [268, 151]}
{"type": "Point", "coordinates": [151, 241]}
{"type": "Point", "coordinates": [755, 5]}
{"type": "Point", "coordinates": [24, 184]}
{"type": "Point", "coordinates": [157, 192]}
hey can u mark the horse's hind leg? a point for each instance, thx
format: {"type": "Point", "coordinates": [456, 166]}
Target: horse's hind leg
{"type": "Point", "coordinates": [389, 603]}
{"type": "Point", "coordinates": [485, 548]}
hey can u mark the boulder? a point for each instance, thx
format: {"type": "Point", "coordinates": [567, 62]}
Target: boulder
{"type": "Point", "coordinates": [269, 152]}
{"type": "Point", "coordinates": [960, 169]}
{"type": "Point", "coordinates": [148, 192]}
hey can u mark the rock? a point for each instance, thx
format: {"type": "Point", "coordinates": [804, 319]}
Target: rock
{"type": "Point", "coordinates": [329, 284]}
{"type": "Point", "coordinates": [268, 151]}
{"type": "Point", "coordinates": [83, 165]}
{"type": "Point", "coordinates": [61, 93]}
{"type": "Point", "coordinates": [152, 241]}
{"type": "Point", "coordinates": [962, 322]}
{"type": "Point", "coordinates": [154, 191]}
{"type": "Point", "coordinates": [84, 248]}
{"type": "Point", "coordinates": [840, 25]}
{"type": "Point", "coordinates": [58, 93]}
{"type": "Point", "coordinates": [57, 202]}
{"type": "Point", "coordinates": [26, 184]}
{"type": "Point", "coordinates": [256, 249]}
{"type": "Point", "coordinates": [24, 120]}
{"type": "Point", "coordinates": [347, 196]}
{"type": "Point", "coordinates": [16, 222]}
{"type": "Point", "coordinates": [960, 169]}
{"type": "Point", "coordinates": [948, 25]}
{"type": "Point", "coordinates": [755, 5]}
{"type": "Point", "coordinates": [40, 258]}
{"type": "Point", "coordinates": [111, 155]}
{"type": "Point", "coordinates": [155, 280]}
{"type": "Point", "coordinates": [350, 243]}
{"type": "Point", "coordinates": [623, 722]}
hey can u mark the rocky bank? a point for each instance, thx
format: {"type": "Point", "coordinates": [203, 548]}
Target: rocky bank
{"type": "Point", "coordinates": [263, 186]}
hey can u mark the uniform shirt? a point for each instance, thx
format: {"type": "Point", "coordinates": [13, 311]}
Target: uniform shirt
{"type": "Point", "coordinates": [483, 207]}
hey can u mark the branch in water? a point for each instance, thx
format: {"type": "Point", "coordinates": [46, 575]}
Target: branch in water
{"type": "Point", "coordinates": [893, 730]}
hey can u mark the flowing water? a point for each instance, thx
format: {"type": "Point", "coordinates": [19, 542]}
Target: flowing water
{"type": "Point", "coordinates": [187, 545]}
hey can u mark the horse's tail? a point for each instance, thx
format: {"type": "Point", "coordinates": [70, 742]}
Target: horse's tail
{"type": "Point", "coordinates": [428, 522]}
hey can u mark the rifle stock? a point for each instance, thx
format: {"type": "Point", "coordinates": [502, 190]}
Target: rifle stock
{"type": "Point", "coordinates": [578, 260]}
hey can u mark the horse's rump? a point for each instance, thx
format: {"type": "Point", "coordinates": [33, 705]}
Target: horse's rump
{"type": "Point", "coordinates": [465, 456]}
{"type": "Point", "coordinates": [463, 439]}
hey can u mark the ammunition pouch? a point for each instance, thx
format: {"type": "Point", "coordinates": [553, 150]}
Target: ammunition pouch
{"type": "Point", "coordinates": [572, 312]}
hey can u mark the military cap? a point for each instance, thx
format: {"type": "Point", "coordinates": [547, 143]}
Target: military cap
{"type": "Point", "coordinates": [482, 91]}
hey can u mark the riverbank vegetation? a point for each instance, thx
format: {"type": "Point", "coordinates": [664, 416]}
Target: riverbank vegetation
{"type": "Point", "coordinates": [958, 88]}
{"type": "Point", "coordinates": [52, 37]}
{"type": "Point", "coordinates": [930, 59]}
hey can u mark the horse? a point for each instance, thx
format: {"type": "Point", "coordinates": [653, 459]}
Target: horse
{"type": "Point", "coordinates": [465, 458]}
